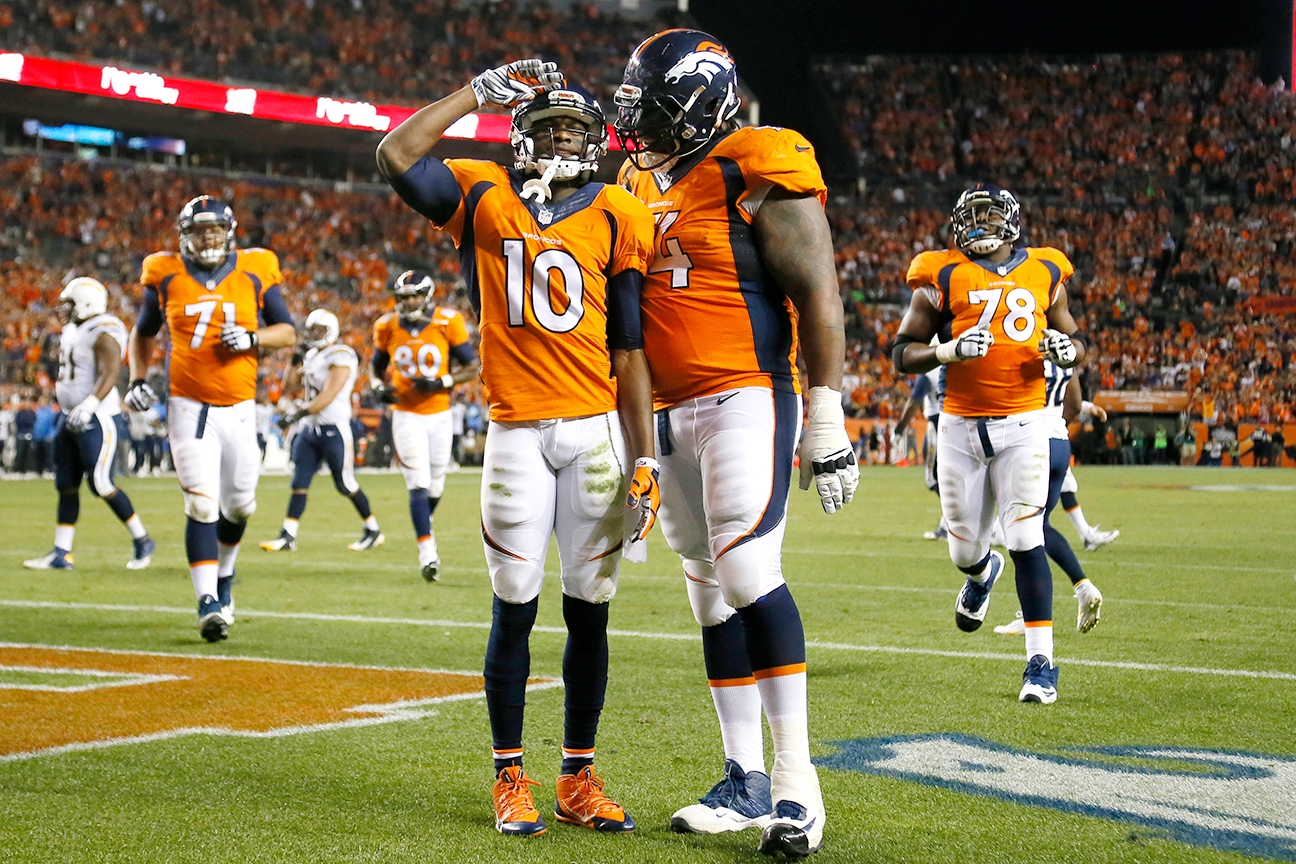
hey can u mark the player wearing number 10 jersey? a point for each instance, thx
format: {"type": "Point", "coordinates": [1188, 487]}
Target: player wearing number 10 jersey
{"type": "Point", "coordinates": [419, 340]}
{"type": "Point", "coordinates": [219, 304]}
{"type": "Point", "coordinates": [554, 264]}
{"type": "Point", "coordinates": [1007, 310]}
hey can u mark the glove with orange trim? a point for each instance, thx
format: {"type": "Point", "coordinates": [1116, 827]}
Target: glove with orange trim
{"type": "Point", "coordinates": [645, 496]}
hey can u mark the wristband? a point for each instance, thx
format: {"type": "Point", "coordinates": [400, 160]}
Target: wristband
{"type": "Point", "coordinates": [947, 352]}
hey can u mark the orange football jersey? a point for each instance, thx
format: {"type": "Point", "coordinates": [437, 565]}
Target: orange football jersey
{"type": "Point", "coordinates": [196, 304]}
{"type": "Point", "coordinates": [1010, 300]}
{"type": "Point", "coordinates": [420, 354]}
{"type": "Point", "coordinates": [713, 319]}
{"type": "Point", "coordinates": [540, 283]}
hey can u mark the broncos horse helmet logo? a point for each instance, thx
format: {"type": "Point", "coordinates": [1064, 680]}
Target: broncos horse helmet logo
{"type": "Point", "coordinates": [706, 63]}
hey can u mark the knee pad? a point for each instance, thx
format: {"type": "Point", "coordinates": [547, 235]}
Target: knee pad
{"type": "Point", "coordinates": [517, 582]}
{"type": "Point", "coordinates": [436, 488]}
{"type": "Point", "coordinates": [966, 553]}
{"type": "Point", "coordinates": [709, 606]}
{"type": "Point", "coordinates": [98, 492]}
{"type": "Point", "coordinates": [241, 511]}
{"type": "Point", "coordinates": [201, 508]}
{"type": "Point", "coordinates": [1025, 534]}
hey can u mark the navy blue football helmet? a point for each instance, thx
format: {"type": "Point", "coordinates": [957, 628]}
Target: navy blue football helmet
{"type": "Point", "coordinates": [984, 218]}
{"type": "Point", "coordinates": [532, 138]}
{"type": "Point", "coordinates": [197, 216]}
{"type": "Point", "coordinates": [679, 89]}
{"type": "Point", "coordinates": [415, 292]}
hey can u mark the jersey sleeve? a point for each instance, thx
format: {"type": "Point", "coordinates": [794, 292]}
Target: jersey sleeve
{"type": "Point", "coordinates": [635, 232]}
{"type": "Point", "coordinates": [264, 264]}
{"type": "Point", "coordinates": [456, 331]}
{"type": "Point", "coordinates": [343, 356]}
{"type": "Point", "coordinates": [468, 173]}
{"type": "Point", "coordinates": [922, 271]}
{"type": "Point", "coordinates": [779, 157]}
{"type": "Point", "coordinates": [382, 331]}
{"type": "Point", "coordinates": [156, 268]}
{"type": "Point", "coordinates": [1059, 267]}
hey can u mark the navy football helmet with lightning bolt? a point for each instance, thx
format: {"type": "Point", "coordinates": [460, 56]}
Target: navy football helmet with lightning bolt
{"type": "Point", "coordinates": [680, 88]}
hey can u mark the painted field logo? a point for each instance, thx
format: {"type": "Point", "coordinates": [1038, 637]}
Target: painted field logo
{"type": "Point", "coordinates": [1241, 802]}
{"type": "Point", "coordinates": [56, 700]}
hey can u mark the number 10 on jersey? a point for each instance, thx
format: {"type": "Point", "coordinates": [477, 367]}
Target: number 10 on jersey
{"type": "Point", "coordinates": [543, 290]}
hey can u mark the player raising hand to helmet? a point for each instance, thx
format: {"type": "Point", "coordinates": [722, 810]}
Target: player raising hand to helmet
{"type": "Point", "coordinates": [554, 263]}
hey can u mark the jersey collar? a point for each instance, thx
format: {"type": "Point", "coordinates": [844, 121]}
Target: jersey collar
{"type": "Point", "coordinates": [211, 278]}
{"type": "Point", "coordinates": [1013, 261]}
{"type": "Point", "coordinates": [545, 214]}
{"type": "Point", "coordinates": [666, 179]}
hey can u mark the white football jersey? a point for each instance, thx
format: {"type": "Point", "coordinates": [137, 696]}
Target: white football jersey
{"type": "Point", "coordinates": [315, 373]}
{"type": "Point", "coordinates": [264, 414]}
{"type": "Point", "coordinates": [1056, 379]}
{"type": "Point", "coordinates": [935, 396]}
{"type": "Point", "coordinates": [77, 373]}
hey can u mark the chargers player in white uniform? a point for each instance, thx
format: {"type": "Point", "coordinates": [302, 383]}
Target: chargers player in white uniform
{"type": "Point", "coordinates": [927, 396]}
{"type": "Point", "coordinates": [328, 374]}
{"type": "Point", "coordinates": [91, 351]}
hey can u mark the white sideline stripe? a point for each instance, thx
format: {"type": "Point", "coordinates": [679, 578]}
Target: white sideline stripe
{"type": "Point", "coordinates": [944, 559]}
{"type": "Point", "coordinates": [108, 679]}
{"type": "Point", "coordinates": [640, 634]}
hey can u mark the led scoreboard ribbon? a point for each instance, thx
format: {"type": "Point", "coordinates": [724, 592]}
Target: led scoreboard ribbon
{"type": "Point", "coordinates": [90, 79]}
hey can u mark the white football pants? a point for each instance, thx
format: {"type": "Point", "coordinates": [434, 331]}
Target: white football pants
{"type": "Point", "coordinates": [216, 456]}
{"type": "Point", "coordinates": [422, 443]}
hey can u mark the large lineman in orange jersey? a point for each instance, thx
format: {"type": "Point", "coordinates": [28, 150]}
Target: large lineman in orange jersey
{"type": "Point", "coordinates": [541, 281]}
{"type": "Point", "coordinates": [420, 354]}
{"type": "Point", "coordinates": [712, 319]}
{"type": "Point", "coordinates": [1011, 301]}
{"type": "Point", "coordinates": [197, 304]}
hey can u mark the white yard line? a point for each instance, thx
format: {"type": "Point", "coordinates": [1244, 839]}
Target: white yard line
{"type": "Point", "coordinates": [676, 637]}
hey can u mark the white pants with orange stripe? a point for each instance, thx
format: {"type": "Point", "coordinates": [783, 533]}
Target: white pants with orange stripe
{"type": "Point", "coordinates": [726, 472]}
{"type": "Point", "coordinates": [422, 443]}
{"type": "Point", "coordinates": [216, 456]}
{"type": "Point", "coordinates": [543, 478]}
{"type": "Point", "coordinates": [993, 467]}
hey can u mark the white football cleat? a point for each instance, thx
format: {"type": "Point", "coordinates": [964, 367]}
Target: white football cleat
{"type": "Point", "coordinates": [793, 832]}
{"type": "Point", "coordinates": [1039, 681]}
{"type": "Point", "coordinates": [369, 540]}
{"type": "Point", "coordinates": [1090, 600]}
{"type": "Point", "coordinates": [1098, 539]}
{"type": "Point", "coordinates": [974, 597]}
{"type": "Point", "coordinates": [740, 800]}
{"type": "Point", "coordinates": [1015, 627]}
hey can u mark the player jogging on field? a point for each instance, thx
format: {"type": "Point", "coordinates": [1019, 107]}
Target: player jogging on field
{"type": "Point", "coordinates": [1007, 309]}
{"type": "Point", "coordinates": [419, 341]}
{"type": "Point", "coordinates": [327, 372]}
{"type": "Point", "coordinates": [742, 253]}
{"type": "Point", "coordinates": [212, 298]}
{"type": "Point", "coordinates": [91, 349]}
{"type": "Point", "coordinates": [554, 264]}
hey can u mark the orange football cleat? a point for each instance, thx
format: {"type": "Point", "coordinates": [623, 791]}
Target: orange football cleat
{"type": "Point", "coordinates": [581, 802]}
{"type": "Point", "coordinates": [515, 811]}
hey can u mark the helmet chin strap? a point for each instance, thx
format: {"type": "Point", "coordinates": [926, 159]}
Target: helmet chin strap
{"type": "Point", "coordinates": [539, 186]}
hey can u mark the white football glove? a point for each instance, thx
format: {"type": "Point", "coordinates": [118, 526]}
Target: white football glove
{"type": "Point", "coordinates": [236, 337]}
{"type": "Point", "coordinates": [826, 451]}
{"type": "Point", "coordinates": [1058, 347]}
{"type": "Point", "coordinates": [515, 82]}
{"type": "Point", "coordinates": [968, 346]}
{"type": "Point", "coordinates": [79, 417]}
{"type": "Point", "coordinates": [140, 396]}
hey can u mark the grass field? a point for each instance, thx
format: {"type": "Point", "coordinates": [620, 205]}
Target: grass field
{"type": "Point", "coordinates": [1196, 650]}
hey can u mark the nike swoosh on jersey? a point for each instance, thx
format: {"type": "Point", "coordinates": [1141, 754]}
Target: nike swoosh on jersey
{"type": "Point", "coordinates": [799, 147]}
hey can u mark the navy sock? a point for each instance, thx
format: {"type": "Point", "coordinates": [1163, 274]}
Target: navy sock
{"type": "Point", "coordinates": [420, 513]}
{"type": "Point", "coordinates": [69, 507]}
{"type": "Point", "coordinates": [724, 648]}
{"type": "Point", "coordinates": [585, 671]}
{"type": "Point", "coordinates": [200, 541]}
{"type": "Point", "coordinates": [432, 504]}
{"type": "Point", "coordinates": [297, 505]}
{"type": "Point", "coordinates": [1060, 551]}
{"type": "Point", "coordinates": [361, 502]}
{"type": "Point", "coordinates": [979, 566]}
{"type": "Point", "coordinates": [228, 532]}
{"type": "Point", "coordinates": [775, 638]}
{"type": "Point", "coordinates": [1034, 584]}
{"type": "Point", "coordinates": [508, 663]}
{"type": "Point", "coordinates": [1069, 501]}
{"type": "Point", "coordinates": [120, 504]}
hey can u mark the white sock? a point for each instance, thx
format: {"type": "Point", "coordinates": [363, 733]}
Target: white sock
{"type": "Point", "coordinates": [63, 536]}
{"type": "Point", "coordinates": [371, 524]}
{"type": "Point", "coordinates": [136, 527]}
{"type": "Point", "coordinates": [427, 549]}
{"type": "Point", "coordinates": [793, 777]}
{"type": "Point", "coordinates": [204, 578]}
{"type": "Point", "coordinates": [1077, 519]}
{"type": "Point", "coordinates": [226, 556]}
{"type": "Point", "coordinates": [1039, 640]}
{"type": "Point", "coordinates": [739, 708]}
{"type": "Point", "coordinates": [983, 574]}
{"type": "Point", "coordinates": [290, 526]}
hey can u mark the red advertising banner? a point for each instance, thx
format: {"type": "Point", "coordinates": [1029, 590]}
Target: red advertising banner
{"type": "Point", "coordinates": [91, 79]}
{"type": "Point", "coordinates": [1272, 304]}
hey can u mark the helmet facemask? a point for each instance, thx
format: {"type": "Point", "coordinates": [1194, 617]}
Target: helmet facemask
{"type": "Point", "coordinates": [542, 136]}
{"type": "Point", "coordinates": [985, 220]}
{"type": "Point", "coordinates": [207, 241]}
{"type": "Point", "coordinates": [655, 130]}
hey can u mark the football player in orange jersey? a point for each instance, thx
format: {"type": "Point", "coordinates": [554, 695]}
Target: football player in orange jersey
{"type": "Point", "coordinates": [743, 264]}
{"type": "Point", "coordinates": [421, 338]}
{"type": "Point", "coordinates": [1007, 310]}
{"type": "Point", "coordinates": [220, 305]}
{"type": "Point", "coordinates": [554, 264]}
